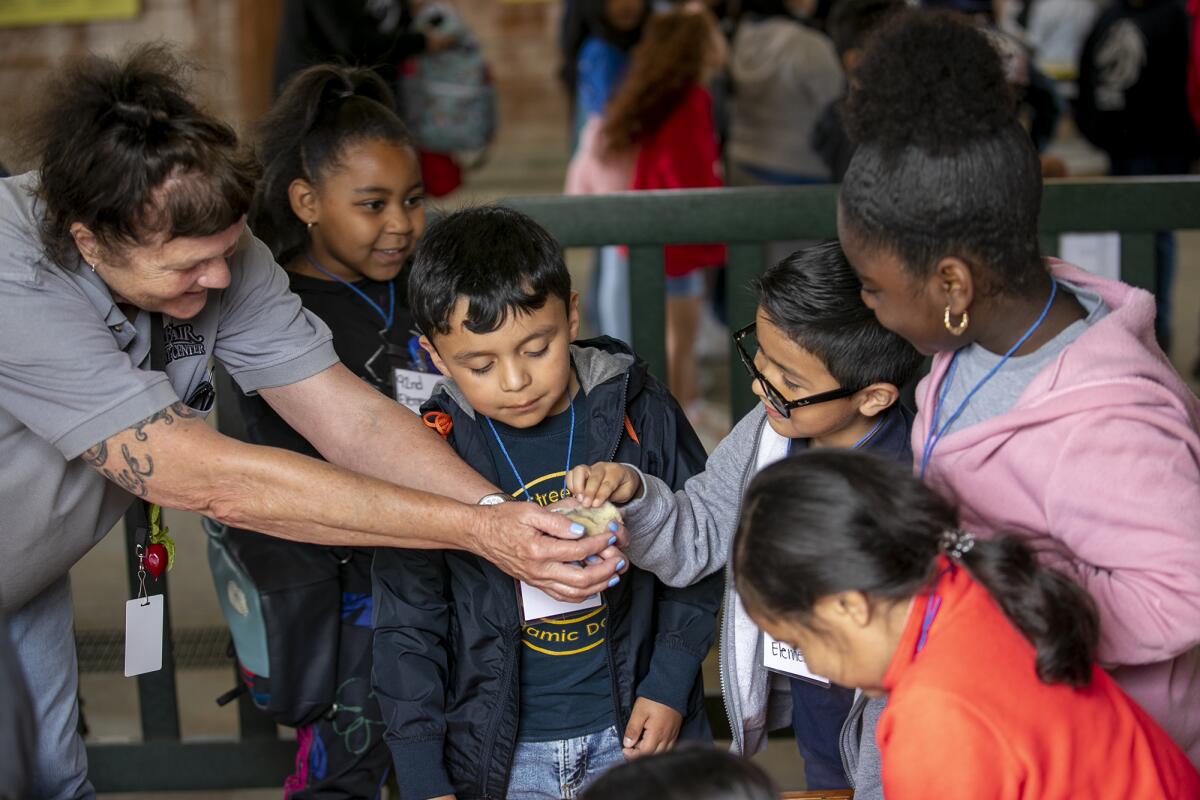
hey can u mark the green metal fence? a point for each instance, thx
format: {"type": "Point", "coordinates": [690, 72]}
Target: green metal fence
{"type": "Point", "coordinates": [745, 219]}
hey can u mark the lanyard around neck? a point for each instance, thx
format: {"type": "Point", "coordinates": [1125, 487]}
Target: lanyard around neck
{"type": "Point", "coordinates": [936, 434]}
{"type": "Point", "coordinates": [387, 318]}
{"type": "Point", "coordinates": [513, 466]}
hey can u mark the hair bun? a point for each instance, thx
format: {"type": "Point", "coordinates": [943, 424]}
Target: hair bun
{"type": "Point", "coordinates": [138, 116]}
{"type": "Point", "coordinates": [929, 79]}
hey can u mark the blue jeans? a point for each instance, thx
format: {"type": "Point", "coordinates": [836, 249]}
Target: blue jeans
{"type": "Point", "coordinates": [43, 633]}
{"type": "Point", "coordinates": [562, 769]}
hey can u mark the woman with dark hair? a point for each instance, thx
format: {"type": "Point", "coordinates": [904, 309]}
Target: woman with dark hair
{"type": "Point", "coordinates": [1049, 408]}
{"type": "Point", "coordinates": [987, 658]}
{"type": "Point", "coordinates": [125, 267]}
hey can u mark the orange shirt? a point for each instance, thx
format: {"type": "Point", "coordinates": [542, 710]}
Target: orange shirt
{"type": "Point", "coordinates": [967, 717]}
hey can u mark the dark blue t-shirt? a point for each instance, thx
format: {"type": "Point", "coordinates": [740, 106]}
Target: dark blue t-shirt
{"type": "Point", "coordinates": [566, 690]}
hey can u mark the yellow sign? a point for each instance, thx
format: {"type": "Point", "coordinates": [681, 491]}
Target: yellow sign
{"type": "Point", "coordinates": [47, 12]}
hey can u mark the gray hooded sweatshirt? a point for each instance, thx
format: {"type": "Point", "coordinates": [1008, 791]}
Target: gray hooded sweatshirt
{"type": "Point", "coordinates": [685, 536]}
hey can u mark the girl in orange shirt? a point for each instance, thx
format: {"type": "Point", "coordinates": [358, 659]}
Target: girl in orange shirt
{"type": "Point", "coordinates": [986, 657]}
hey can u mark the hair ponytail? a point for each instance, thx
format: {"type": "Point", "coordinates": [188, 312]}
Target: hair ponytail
{"type": "Point", "coordinates": [832, 521]}
{"type": "Point", "coordinates": [321, 111]}
{"type": "Point", "coordinates": [1052, 612]}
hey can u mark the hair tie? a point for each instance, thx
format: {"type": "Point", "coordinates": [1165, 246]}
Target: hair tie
{"type": "Point", "coordinates": [956, 543]}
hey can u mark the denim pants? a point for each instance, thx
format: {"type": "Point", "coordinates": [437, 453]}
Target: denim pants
{"type": "Point", "coordinates": [43, 633]}
{"type": "Point", "coordinates": [563, 769]}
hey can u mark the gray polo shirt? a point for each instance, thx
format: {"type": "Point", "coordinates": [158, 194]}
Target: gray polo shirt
{"type": "Point", "coordinates": [75, 371]}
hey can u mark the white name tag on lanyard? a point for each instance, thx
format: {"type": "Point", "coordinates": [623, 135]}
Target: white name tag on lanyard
{"type": "Point", "coordinates": [536, 604]}
{"type": "Point", "coordinates": [143, 635]}
{"type": "Point", "coordinates": [779, 657]}
{"type": "Point", "coordinates": [413, 388]}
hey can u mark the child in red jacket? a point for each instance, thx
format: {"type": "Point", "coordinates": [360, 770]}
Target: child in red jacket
{"type": "Point", "coordinates": [663, 112]}
{"type": "Point", "coordinates": [987, 658]}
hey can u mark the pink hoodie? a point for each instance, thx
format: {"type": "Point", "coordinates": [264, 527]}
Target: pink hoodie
{"type": "Point", "coordinates": [1102, 454]}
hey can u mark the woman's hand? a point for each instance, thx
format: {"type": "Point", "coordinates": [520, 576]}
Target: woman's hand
{"type": "Point", "coordinates": [545, 550]}
{"type": "Point", "coordinates": [602, 481]}
{"type": "Point", "coordinates": [653, 728]}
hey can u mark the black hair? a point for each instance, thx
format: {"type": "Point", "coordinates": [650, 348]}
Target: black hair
{"type": "Point", "coordinates": [686, 773]}
{"type": "Point", "coordinates": [499, 259]}
{"type": "Point", "coordinates": [851, 21]}
{"type": "Point", "coordinates": [830, 521]}
{"type": "Point", "coordinates": [815, 298]}
{"type": "Point", "coordinates": [943, 166]}
{"type": "Point", "coordinates": [322, 111]}
{"type": "Point", "coordinates": [766, 8]}
{"type": "Point", "coordinates": [122, 149]}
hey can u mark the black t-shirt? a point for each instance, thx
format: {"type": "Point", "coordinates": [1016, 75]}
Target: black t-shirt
{"type": "Point", "coordinates": [356, 338]}
{"type": "Point", "coordinates": [566, 690]}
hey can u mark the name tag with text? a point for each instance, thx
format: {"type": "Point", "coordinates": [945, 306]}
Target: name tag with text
{"type": "Point", "coordinates": [412, 388]}
{"type": "Point", "coordinates": [779, 657]}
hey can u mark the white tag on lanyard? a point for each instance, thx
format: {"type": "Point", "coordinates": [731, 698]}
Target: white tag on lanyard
{"type": "Point", "coordinates": [413, 388]}
{"type": "Point", "coordinates": [143, 635]}
{"type": "Point", "coordinates": [779, 657]}
{"type": "Point", "coordinates": [536, 604]}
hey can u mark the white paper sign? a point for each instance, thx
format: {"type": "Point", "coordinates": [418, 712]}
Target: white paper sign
{"type": "Point", "coordinates": [412, 388]}
{"type": "Point", "coordinates": [779, 657]}
{"type": "Point", "coordinates": [538, 605]}
{"type": "Point", "coordinates": [143, 635]}
{"type": "Point", "coordinates": [1098, 253]}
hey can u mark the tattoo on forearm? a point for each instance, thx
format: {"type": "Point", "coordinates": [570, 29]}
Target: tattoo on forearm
{"type": "Point", "coordinates": [96, 456]}
{"type": "Point", "coordinates": [166, 416]}
{"type": "Point", "coordinates": [132, 478]}
{"type": "Point", "coordinates": [137, 468]}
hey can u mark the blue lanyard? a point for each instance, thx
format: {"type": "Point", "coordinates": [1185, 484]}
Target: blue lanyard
{"type": "Point", "coordinates": [936, 434]}
{"type": "Point", "coordinates": [931, 610]}
{"type": "Point", "coordinates": [388, 318]}
{"type": "Point", "coordinates": [508, 458]}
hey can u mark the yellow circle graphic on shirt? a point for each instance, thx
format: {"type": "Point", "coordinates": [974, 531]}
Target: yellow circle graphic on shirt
{"type": "Point", "coordinates": [544, 498]}
{"type": "Point", "coordinates": [567, 637]}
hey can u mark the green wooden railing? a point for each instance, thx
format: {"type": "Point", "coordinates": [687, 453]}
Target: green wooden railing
{"type": "Point", "coordinates": [745, 219]}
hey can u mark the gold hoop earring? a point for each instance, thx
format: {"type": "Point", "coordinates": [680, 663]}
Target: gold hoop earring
{"type": "Point", "coordinates": [961, 327]}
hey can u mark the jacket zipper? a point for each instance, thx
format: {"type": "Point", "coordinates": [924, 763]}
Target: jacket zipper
{"type": "Point", "coordinates": [621, 422]}
{"type": "Point", "coordinates": [735, 731]}
{"type": "Point", "coordinates": [509, 666]}
{"type": "Point", "coordinates": [618, 717]}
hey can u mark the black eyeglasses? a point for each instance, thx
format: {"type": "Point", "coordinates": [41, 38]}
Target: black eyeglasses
{"type": "Point", "coordinates": [774, 396]}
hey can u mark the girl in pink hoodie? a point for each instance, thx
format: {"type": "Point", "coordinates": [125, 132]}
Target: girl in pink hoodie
{"type": "Point", "coordinates": [1050, 410]}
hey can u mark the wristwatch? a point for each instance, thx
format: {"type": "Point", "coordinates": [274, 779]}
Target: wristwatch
{"type": "Point", "coordinates": [493, 499]}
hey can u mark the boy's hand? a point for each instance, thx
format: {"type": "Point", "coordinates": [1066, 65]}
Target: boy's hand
{"type": "Point", "coordinates": [653, 728]}
{"type": "Point", "coordinates": [593, 485]}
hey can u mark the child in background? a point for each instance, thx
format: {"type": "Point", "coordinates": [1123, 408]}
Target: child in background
{"type": "Point", "coordinates": [663, 113]}
{"type": "Point", "coordinates": [341, 206]}
{"type": "Point", "coordinates": [828, 375]}
{"type": "Point", "coordinates": [603, 59]}
{"type": "Point", "coordinates": [987, 659]}
{"type": "Point", "coordinates": [850, 22]}
{"type": "Point", "coordinates": [687, 773]}
{"type": "Point", "coordinates": [784, 74]}
{"type": "Point", "coordinates": [481, 700]}
{"type": "Point", "coordinates": [1049, 409]}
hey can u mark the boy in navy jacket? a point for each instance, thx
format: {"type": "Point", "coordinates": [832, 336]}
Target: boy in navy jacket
{"type": "Point", "coordinates": [484, 696]}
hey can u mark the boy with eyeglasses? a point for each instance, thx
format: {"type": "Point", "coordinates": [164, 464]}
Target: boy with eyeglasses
{"type": "Point", "coordinates": [828, 375]}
